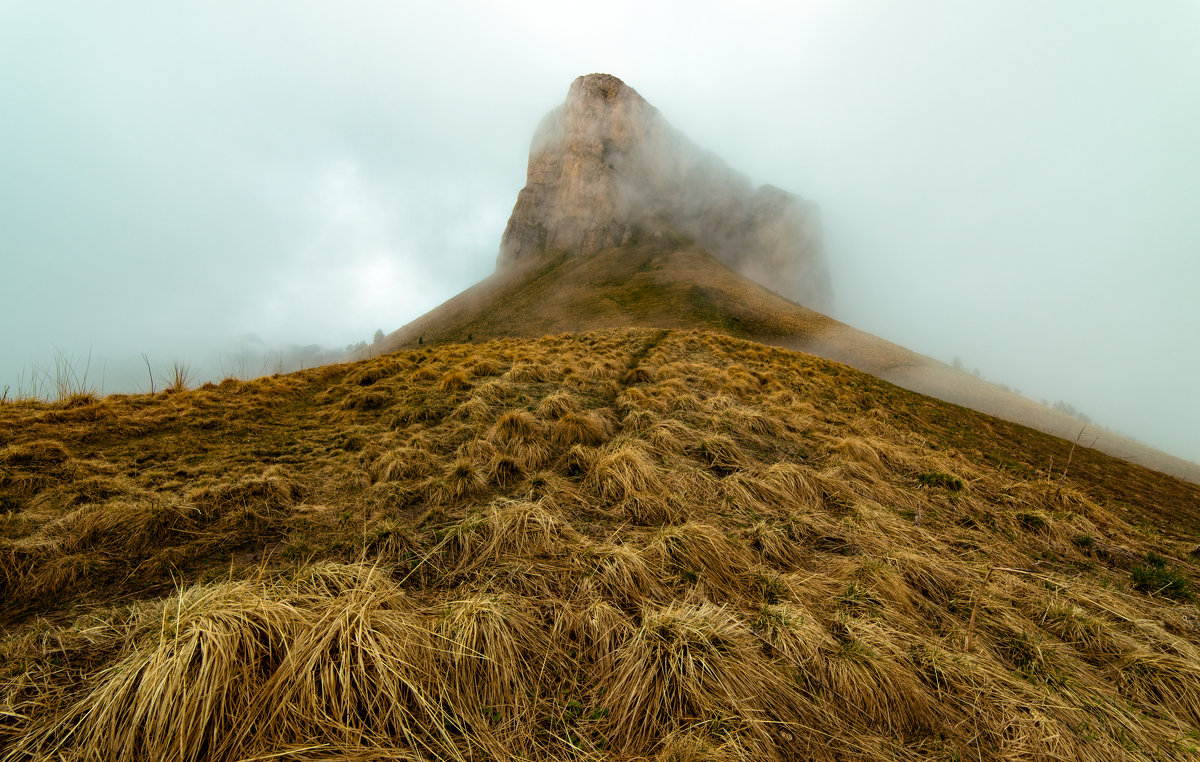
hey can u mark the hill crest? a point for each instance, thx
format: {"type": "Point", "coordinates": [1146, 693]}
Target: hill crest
{"type": "Point", "coordinates": [632, 544]}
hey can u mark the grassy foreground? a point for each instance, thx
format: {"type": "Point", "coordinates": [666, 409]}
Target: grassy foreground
{"type": "Point", "coordinates": [629, 544]}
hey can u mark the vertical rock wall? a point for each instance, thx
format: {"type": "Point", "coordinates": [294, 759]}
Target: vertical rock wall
{"type": "Point", "coordinates": [605, 167]}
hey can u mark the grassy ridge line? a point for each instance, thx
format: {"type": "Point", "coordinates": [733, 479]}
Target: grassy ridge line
{"type": "Point", "coordinates": [664, 283]}
{"type": "Point", "coordinates": [626, 544]}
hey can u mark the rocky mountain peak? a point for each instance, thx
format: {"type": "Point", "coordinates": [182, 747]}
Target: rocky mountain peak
{"type": "Point", "coordinates": [605, 168]}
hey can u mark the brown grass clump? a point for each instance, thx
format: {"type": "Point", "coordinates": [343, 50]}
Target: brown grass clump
{"type": "Point", "coordinates": [638, 375]}
{"type": "Point", "coordinates": [625, 575]}
{"type": "Point", "coordinates": [555, 406]}
{"type": "Point", "coordinates": [509, 529]}
{"type": "Point", "coordinates": [719, 453]}
{"type": "Point", "coordinates": [359, 675]}
{"type": "Point", "coordinates": [521, 435]}
{"type": "Point", "coordinates": [876, 455]}
{"type": "Point", "coordinates": [504, 470]}
{"type": "Point", "coordinates": [461, 480]}
{"type": "Point", "coordinates": [491, 392]}
{"type": "Point", "coordinates": [495, 655]}
{"type": "Point", "coordinates": [773, 544]}
{"type": "Point", "coordinates": [26, 469]}
{"type": "Point", "coordinates": [144, 533]}
{"type": "Point", "coordinates": [861, 675]}
{"type": "Point", "coordinates": [273, 489]}
{"type": "Point", "coordinates": [687, 747]}
{"type": "Point", "coordinates": [1154, 678]}
{"type": "Point", "coordinates": [778, 489]}
{"type": "Point", "coordinates": [627, 478]}
{"type": "Point", "coordinates": [692, 665]}
{"type": "Point", "coordinates": [454, 381]}
{"type": "Point", "coordinates": [374, 371]}
{"type": "Point", "coordinates": [702, 554]}
{"type": "Point", "coordinates": [41, 453]}
{"type": "Point", "coordinates": [674, 395]}
{"type": "Point", "coordinates": [403, 464]}
{"type": "Point", "coordinates": [599, 628]}
{"type": "Point", "coordinates": [528, 373]}
{"type": "Point", "coordinates": [486, 366]}
{"type": "Point", "coordinates": [212, 643]}
{"type": "Point", "coordinates": [128, 527]}
{"type": "Point", "coordinates": [579, 429]}
{"type": "Point", "coordinates": [579, 461]}
{"type": "Point", "coordinates": [474, 410]}
{"type": "Point", "coordinates": [600, 371]}
{"type": "Point", "coordinates": [751, 422]}
{"type": "Point", "coordinates": [634, 399]}
{"type": "Point", "coordinates": [638, 420]}
{"type": "Point", "coordinates": [670, 437]}
{"type": "Point", "coordinates": [97, 488]}
{"type": "Point", "coordinates": [367, 399]}
{"type": "Point", "coordinates": [515, 426]}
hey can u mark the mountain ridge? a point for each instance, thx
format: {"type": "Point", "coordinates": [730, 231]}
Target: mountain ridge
{"type": "Point", "coordinates": [668, 283]}
{"type": "Point", "coordinates": [614, 192]}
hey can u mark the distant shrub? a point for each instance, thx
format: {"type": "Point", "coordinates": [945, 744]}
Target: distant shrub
{"type": "Point", "coordinates": [939, 479]}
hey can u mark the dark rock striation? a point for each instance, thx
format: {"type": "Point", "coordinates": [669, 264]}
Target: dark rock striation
{"type": "Point", "coordinates": [605, 169]}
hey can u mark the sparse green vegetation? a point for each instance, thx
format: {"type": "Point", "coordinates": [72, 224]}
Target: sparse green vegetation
{"type": "Point", "coordinates": [1157, 578]}
{"type": "Point", "coordinates": [939, 479]}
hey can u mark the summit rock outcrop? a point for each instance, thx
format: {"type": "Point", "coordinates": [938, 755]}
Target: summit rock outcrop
{"type": "Point", "coordinates": [605, 169]}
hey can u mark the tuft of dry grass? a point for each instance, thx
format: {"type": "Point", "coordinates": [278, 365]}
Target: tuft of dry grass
{"type": "Point", "coordinates": [780, 489]}
{"type": "Point", "coordinates": [626, 576]}
{"type": "Point", "coordinates": [403, 464]}
{"type": "Point", "coordinates": [495, 655]}
{"type": "Point", "coordinates": [626, 478]}
{"type": "Point", "coordinates": [527, 373]}
{"type": "Point", "coordinates": [638, 375]}
{"type": "Point", "coordinates": [556, 405]}
{"type": "Point", "coordinates": [719, 453]}
{"type": "Point", "coordinates": [454, 381]}
{"type": "Point", "coordinates": [510, 529]}
{"type": "Point", "coordinates": [520, 434]}
{"type": "Point", "coordinates": [579, 429]}
{"type": "Point", "coordinates": [703, 554]}
{"type": "Point", "coordinates": [460, 481]}
{"type": "Point", "coordinates": [486, 366]}
{"type": "Point", "coordinates": [697, 666]}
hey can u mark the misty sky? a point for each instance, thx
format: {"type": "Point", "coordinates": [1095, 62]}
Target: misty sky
{"type": "Point", "coordinates": [1011, 183]}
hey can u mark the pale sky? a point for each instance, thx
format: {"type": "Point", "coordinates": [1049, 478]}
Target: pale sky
{"type": "Point", "coordinates": [1011, 183]}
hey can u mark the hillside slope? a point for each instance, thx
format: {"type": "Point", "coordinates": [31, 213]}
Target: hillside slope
{"type": "Point", "coordinates": [665, 283]}
{"type": "Point", "coordinates": [625, 544]}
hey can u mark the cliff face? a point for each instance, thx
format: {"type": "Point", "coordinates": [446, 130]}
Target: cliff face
{"type": "Point", "coordinates": [606, 168]}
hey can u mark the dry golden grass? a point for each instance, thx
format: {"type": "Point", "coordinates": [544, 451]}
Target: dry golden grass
{"type": "Point", "coordinates": [618, 545]}
{"type": "Point", "coordinates": [587, 429]}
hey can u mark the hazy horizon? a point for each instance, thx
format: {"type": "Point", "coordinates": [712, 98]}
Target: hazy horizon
{"type": "Point", "coordinates": [1011, 184]}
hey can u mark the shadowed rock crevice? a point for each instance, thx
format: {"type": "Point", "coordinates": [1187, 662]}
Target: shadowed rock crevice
{"type": "Point", "coordinates": [606, 169]}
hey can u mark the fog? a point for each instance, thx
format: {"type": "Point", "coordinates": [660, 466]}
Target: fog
{"type": "Point", "coordinates": [1008, 183]}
